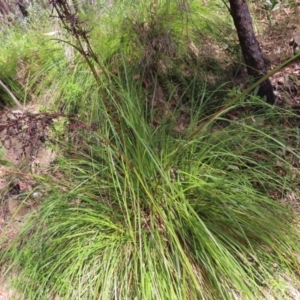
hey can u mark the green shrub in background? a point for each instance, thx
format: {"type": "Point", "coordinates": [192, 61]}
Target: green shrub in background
{"type": "Point", "coordinates": [161, 42]}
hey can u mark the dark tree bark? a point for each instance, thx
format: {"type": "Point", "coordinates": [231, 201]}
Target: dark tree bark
{"type": "Point", "coordinates": [7, 7]}
{"type": "Point", "coordinates": [250, 47]}
{"type": "Point", "coordinates": [23, 8]}
{"type": "Point", "coordinates": [4, 8]}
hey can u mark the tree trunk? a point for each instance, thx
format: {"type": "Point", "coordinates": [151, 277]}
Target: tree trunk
{"type": "Point", "coordinates": [250, 47]}
{"type": "Point", "coordinates": [4, 8]}
{"type": "Point", "coordinates": [23, 8]}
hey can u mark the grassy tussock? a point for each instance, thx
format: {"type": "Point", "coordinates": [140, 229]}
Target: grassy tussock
{"type": "Point", "coordinates": [148, 211]}
{"type": "Point", "coordinates": [148, 215]}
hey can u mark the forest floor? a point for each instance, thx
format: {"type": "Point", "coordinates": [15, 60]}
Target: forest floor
{"type": "Point", "coordinates": [275, 43]}
{"type": "Point", "coordinates": [25, 163]}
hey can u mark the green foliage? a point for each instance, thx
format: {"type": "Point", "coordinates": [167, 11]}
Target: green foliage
{"type": "Point", "coordinates": [9, 54]}
{"type": "Point", "coordinates": [161, 203]}
{"type": "Point", "coordinates": [8, 67]}
{"type": "Point", "coordinates": [22, 47]}
{"type": "Point", "coordinates": [146, 213]}
{"type": "Point", "coordinates": [4, 162]}
{"type": "Point", "coordinates": [164, 42]}
{"type": "Point", "coordinates": [161, 41]}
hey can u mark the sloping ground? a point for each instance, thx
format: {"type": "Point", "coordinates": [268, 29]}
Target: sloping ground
{"type": "Point", "coordinates": [22, 136]}
{"type": "Point", "coordinates": [21, 161]}
{"type": "Point", "coordinates": [282, 26]}
{"type": "Point", "coordinates": [18, 178]}
{"type": "Point", "coordinates": [30, 157]}
{"type": "Point", "coordinates": [30, 160]}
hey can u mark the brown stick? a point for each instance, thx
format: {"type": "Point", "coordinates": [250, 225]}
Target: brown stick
{"type": "Point", "coordinates": [11, 95]}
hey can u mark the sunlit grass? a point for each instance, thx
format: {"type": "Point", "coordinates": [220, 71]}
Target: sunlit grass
{"type": "Point", "coordinates": [146, 210]}
{"type": "Point", "coordinates": [148, 215]}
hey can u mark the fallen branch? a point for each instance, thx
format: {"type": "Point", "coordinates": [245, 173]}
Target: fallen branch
{"type": "Point", "coordinates": [16, 101]}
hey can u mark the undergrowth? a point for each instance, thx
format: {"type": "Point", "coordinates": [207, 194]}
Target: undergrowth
{"type": "Point", "coordinates": [144, 214]}
{"type": "Point", "coordinates": [158, 201]}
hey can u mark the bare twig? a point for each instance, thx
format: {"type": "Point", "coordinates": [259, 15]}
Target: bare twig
{"type": "Point", "coordinates": [16, 101]}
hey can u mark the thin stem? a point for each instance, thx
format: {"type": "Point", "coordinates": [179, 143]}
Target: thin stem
{"type": "Point", "coordinates": [16, 101]}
